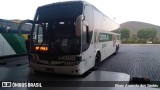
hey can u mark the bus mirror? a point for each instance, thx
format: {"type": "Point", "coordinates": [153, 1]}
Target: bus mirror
{"type": "Point", "coordinates": [85, 23]}
{"type": "Point", "coordinates": [21, 25]}
{"type": "Point", "coordinates": [78, 25]}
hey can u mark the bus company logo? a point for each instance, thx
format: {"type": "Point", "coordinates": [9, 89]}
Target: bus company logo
{"type": "Point", "coordinates": [103, 37]}
{"type": "Point", "coordinates": [6, 84]}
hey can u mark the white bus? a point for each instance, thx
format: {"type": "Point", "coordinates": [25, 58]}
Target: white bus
{"type": "Point", "coordinates": [75, 37]}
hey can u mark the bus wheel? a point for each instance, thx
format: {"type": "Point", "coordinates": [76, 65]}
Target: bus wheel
{"type": "Point", "coordinates": [116, 51]}
{"type": "Point", "coordinates": [97, 61]}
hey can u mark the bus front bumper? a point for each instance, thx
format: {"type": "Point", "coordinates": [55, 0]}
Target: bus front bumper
{"type": "Point", "coordinates": [70, 70]}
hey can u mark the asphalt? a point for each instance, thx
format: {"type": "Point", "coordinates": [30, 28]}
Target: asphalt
{"type": "Point", "coordinates": [13, 61]}
{"type": "Point", "coordinates": [135, 60]}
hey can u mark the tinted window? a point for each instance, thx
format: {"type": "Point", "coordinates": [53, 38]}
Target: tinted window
{"type": "Point", "coordinates": [88, 13]}
{"type": "Point", "coordinates": [0, 23]}
{"type": "Point", "coordinates": [4, 23]}
{"type": "Point", "coordinates": [60, 11]}
{"type": "Point", "coordinates": [12, 26]}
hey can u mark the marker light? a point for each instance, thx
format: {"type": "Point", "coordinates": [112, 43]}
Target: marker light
{"type": "Point", "coordinates": [42, 48]}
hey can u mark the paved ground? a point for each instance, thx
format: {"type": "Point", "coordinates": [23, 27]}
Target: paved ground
{"type": "Point", "coordinates": [136, 60]}
{"type": "Point", "coordinates": [14, 62]}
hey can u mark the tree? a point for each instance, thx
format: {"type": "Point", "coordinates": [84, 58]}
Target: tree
{"type": "Point", "coordinates": [151, 32]}
{"type": "Point", "coordinates": [141, 34]}
{"type": "Point", "coordinates": [124, 33]}
{"type": "Point", "coordinates": [147, 33]}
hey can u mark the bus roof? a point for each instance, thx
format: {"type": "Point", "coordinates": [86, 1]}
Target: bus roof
{"type": "Point", "coordinates": [60, 3]}
{"type": "Point", "coordinates": [73, 2]}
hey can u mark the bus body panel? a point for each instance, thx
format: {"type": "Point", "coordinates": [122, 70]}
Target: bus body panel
{"type": "Point", "coordinates": [89, 57]}
{"type": "Point", "coordinates": [71, 70]}
{"type": "Point", "coordinates": [5, 48]}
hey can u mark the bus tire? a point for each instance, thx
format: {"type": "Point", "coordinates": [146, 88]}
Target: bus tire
{"type": "Point", "coordinates": [117, 47]}
{"type": "Point", "coordinates": [116, 51]}
{"type": "Point", "coordinates": [97, 61]}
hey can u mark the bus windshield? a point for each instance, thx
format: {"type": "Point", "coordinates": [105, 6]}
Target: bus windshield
{"type": "Point", "coordinates": [59, 11]}
{"type": "Point", "coordinates": [56, 27]}
{"type": "Point", "coordinates": [59, 36]}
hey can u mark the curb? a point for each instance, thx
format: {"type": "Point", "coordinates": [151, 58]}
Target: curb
{"type": "Point", "coordinates": [11, 56]}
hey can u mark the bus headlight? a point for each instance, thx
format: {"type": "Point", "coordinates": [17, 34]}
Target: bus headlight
{"type": "Point", "coordinates": [34, 57]}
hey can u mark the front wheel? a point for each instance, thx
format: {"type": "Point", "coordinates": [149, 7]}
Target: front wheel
{"type": "Point", "coordinates": [116, 51]}
{"type": "Point", "coordinates": [97, 61]}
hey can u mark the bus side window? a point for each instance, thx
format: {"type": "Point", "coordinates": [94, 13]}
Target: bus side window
{"type": "Point", "coordinates": [85, 37]}
{"type": "Point", "coordinates": [39, 34]}
{"type": "Point", "coordinates": [89, 16]}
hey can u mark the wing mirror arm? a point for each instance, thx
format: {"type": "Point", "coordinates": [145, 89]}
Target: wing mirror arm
{"type": "Point", "coordinates": [21, 24]}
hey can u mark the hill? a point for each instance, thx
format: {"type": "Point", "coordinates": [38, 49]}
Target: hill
{"type": "Point", "coordinates": [16, 20]}
{"type": "Point", "coordinates": [134, 26]}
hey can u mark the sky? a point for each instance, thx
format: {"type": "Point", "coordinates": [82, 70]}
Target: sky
{"type": "Point", "coordinates": [119, 10]}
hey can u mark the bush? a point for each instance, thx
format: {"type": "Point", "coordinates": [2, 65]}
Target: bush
{"type": "Point", "coordinates": [124, 41]}
{"type": "Point", "coordinates": [156, 41]}
{"type": "Point", "coordinates": [133, 41]}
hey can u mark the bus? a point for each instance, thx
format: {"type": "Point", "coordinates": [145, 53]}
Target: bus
{"type": "Point", "coordinates": [70, 38]}
{"type": "Point", "coordinates": [10, 42]}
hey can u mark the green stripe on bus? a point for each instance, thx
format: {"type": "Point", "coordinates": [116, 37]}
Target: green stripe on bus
{"type": "Point", "coordinates": [21, 41]}
{"type": "Point", "coordinates": [16, 44]}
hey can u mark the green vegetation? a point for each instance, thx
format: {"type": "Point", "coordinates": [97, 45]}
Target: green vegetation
{"type": "Point", "coordinates": [147, 33]}
{"type": "Point", "coordinates": [124, 33]}
{"type": "Point", "coordinates": [143, 35]}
